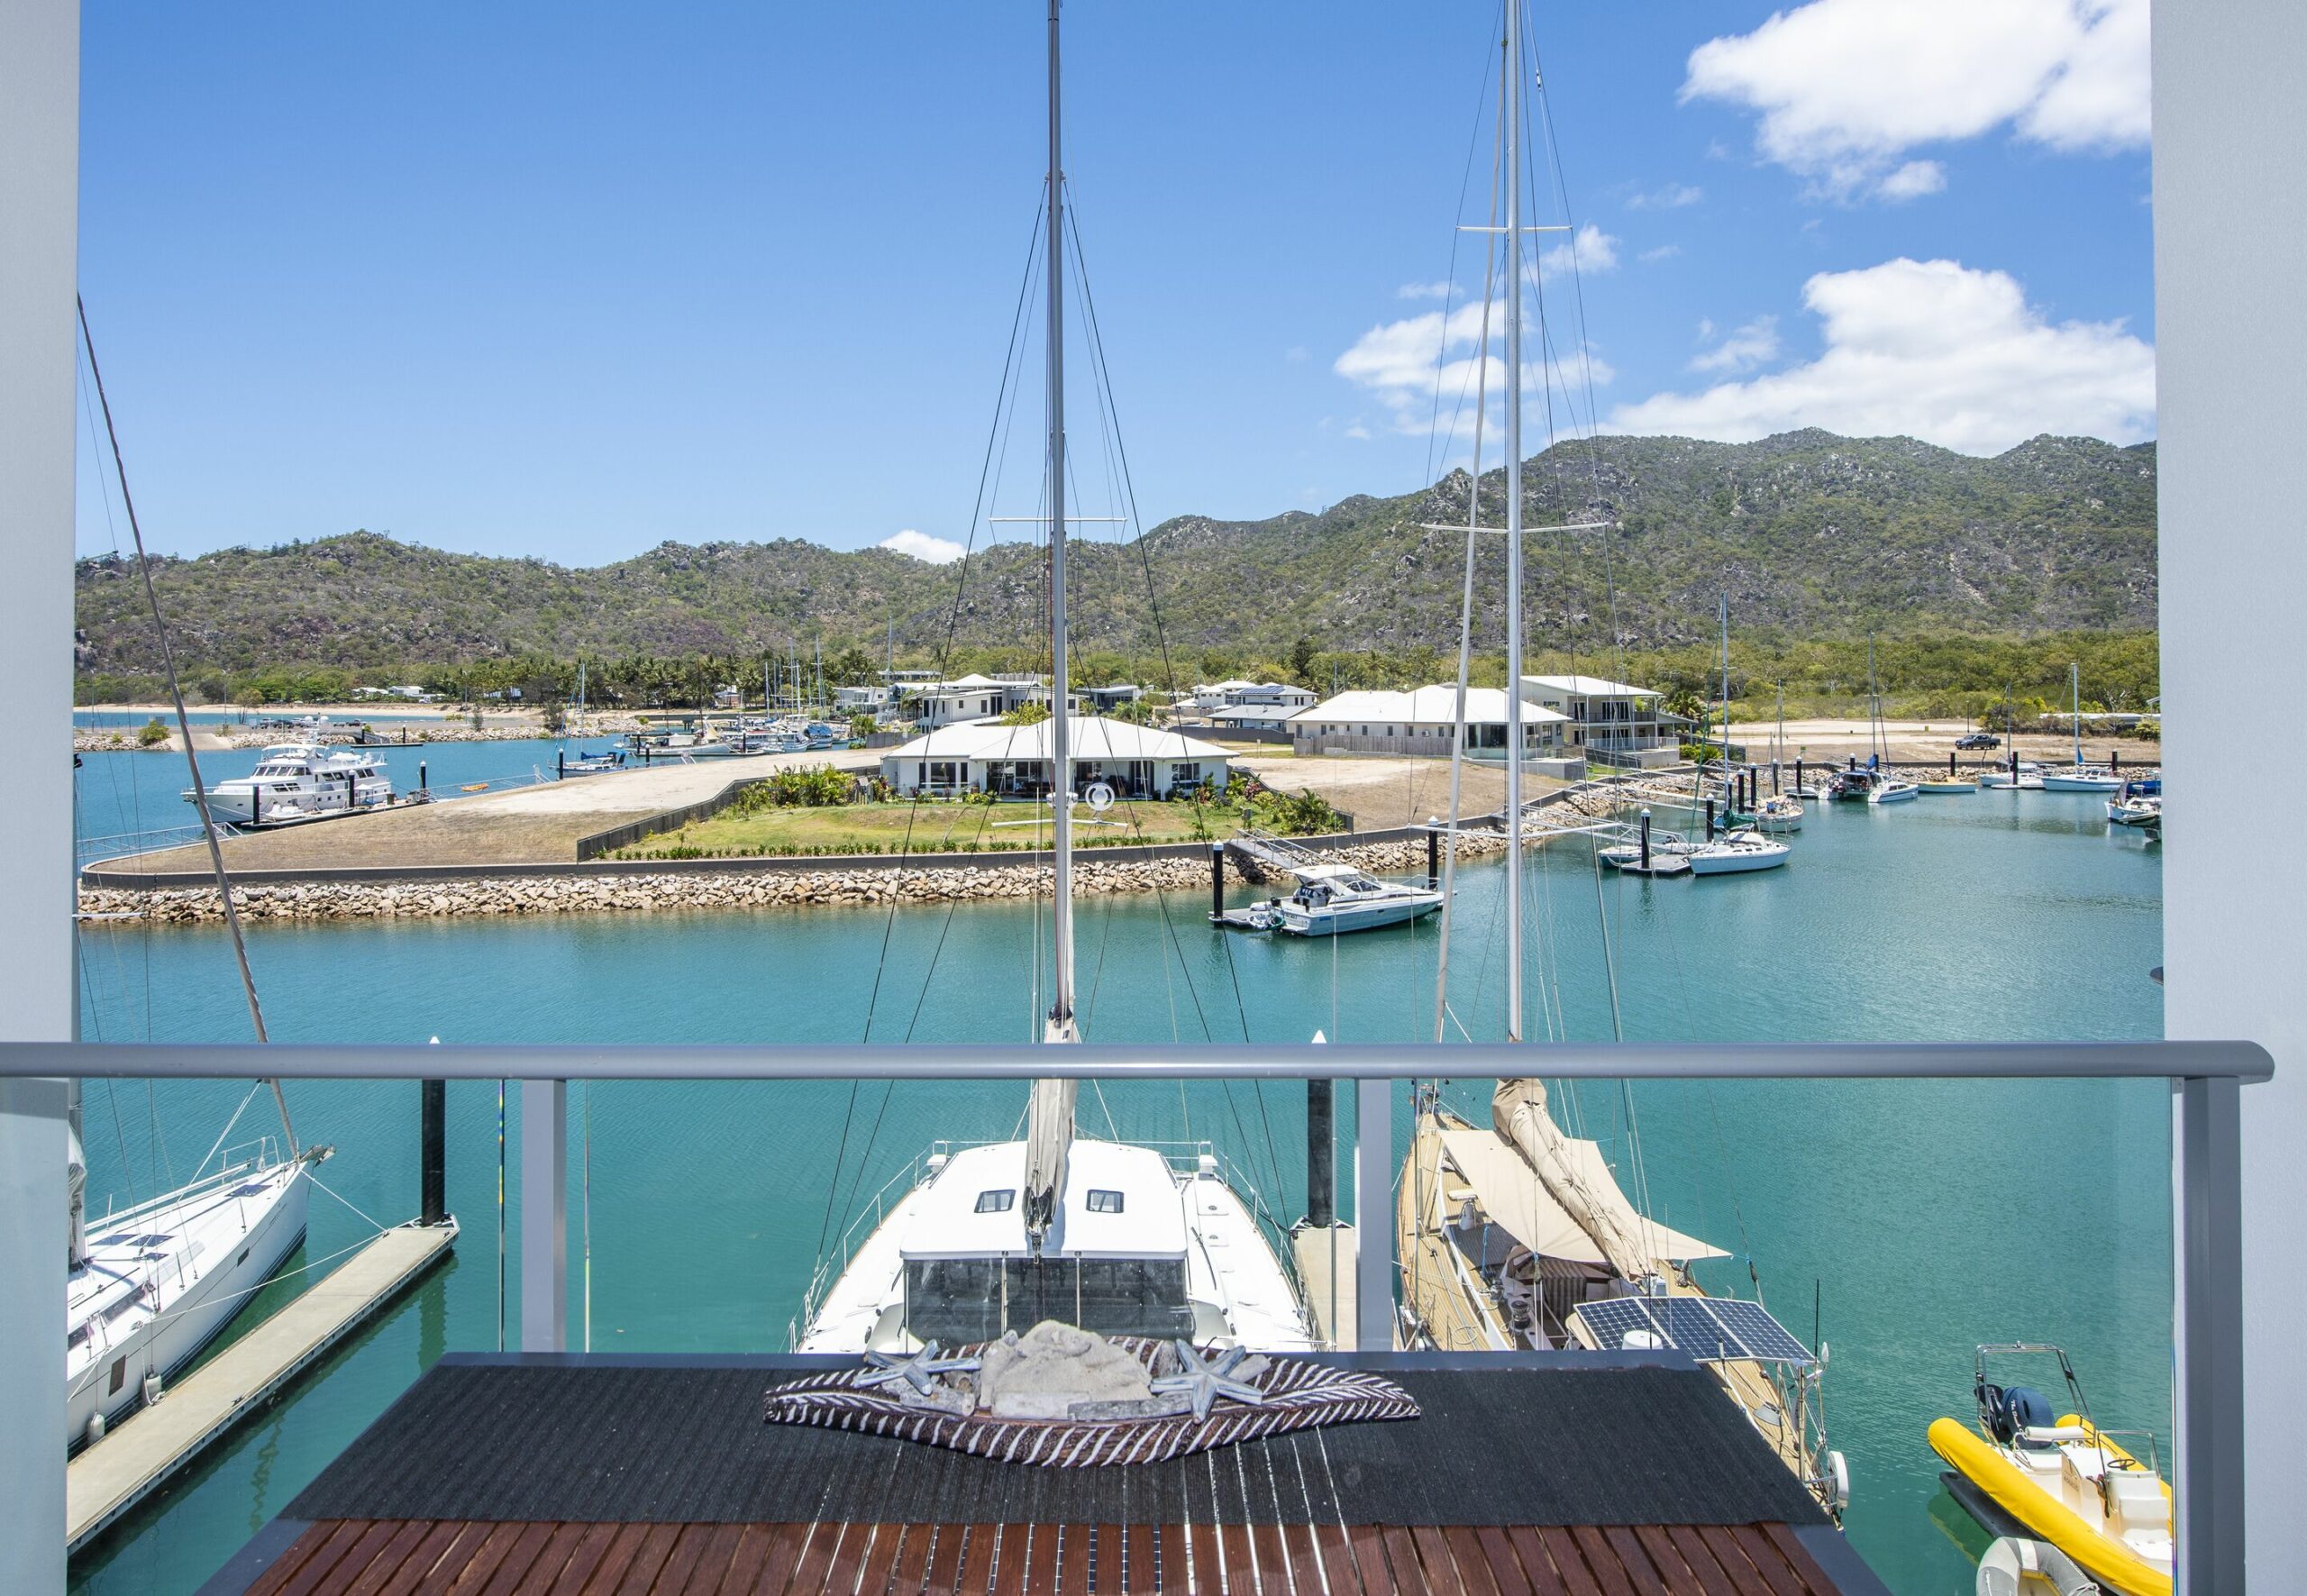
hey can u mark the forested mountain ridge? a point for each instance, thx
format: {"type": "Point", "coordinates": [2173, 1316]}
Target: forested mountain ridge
{"type": "Point", "coordinates": [1810, 534]}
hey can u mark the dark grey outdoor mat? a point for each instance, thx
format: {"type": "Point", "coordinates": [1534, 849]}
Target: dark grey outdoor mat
{"type": "Point", "coordinates": [507, 1438]}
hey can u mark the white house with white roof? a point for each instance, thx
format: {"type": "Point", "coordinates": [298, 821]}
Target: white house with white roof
{"type": "Point", "coordinates": [1423, 720]}
{"type": "Point", "coordinates": [1014, 761]}
{"type": "Point", "coordinates": [1238, 694]}
{"type": "Point", "coordinates": [977, 698]}
{"type": "Point", "coordinates": [1622, 725]}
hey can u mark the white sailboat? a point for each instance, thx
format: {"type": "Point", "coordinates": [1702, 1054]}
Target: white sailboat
{"type": "Point", "coordinates": [1515, 1235]}
{"type": "Point", "coordinates": [1781, 812]}
{"type": "Point", "coordinates": [1107, 1235]}
{"type": "Point", "coordinates": [2081, 778]}
{"type": "Point", "coordinates": [151, 1285]}
{"type": "Point", "coordinates": [1734, 852]}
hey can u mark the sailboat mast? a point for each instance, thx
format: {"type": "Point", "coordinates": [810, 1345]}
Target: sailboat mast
{"type": "Point", "coordinates": [1512, 111]}
{"type": "Point", "coordinates": [1060, 750]}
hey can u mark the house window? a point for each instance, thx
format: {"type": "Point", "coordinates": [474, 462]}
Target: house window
{"type": "Point", "coordinates": [1185, 773]}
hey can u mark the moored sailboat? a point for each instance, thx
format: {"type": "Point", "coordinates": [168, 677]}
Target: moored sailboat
{"type": "Point", "coordinates": [1514, 1235]}
{"type": "Point", "coordinates": [1108, 1236]}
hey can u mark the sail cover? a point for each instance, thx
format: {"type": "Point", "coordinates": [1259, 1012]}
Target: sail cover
{"type": "Point", "coordinates": [1049, 1135]}
{"type": "Point", "coordinates": [1561, 1189]}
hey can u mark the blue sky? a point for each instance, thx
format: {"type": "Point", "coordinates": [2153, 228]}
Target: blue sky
{"type": "Point", "coordinates": [571, 280]}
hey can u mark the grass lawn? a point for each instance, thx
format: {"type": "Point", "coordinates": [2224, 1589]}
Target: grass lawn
{"type": "Point", "coordinates": [927, 827]}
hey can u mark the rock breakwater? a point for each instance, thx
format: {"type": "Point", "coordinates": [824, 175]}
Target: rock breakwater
{"type": "Point", "coordinates": [581, 891]}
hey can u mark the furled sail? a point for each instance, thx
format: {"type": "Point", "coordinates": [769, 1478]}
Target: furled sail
{"type": "Point", "coordinates": [1574, 1176]}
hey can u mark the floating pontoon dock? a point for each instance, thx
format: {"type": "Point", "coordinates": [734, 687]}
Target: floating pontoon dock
{"type": "Point", "coordinates": [112, 1476]}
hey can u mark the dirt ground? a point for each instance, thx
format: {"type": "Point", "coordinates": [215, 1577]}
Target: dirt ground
{"type": "Point", "coordinates": [1385, 791]}
{"type": "Point", "coordinates": [1831, 741]}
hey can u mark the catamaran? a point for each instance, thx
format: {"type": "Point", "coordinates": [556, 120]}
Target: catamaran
{"type": "Point", "coordinates": [1110, 1236]}
{"type": "Point", "coordinates": [295, 781]}
{"type": "Point", "coordinates": [1514, 1235]}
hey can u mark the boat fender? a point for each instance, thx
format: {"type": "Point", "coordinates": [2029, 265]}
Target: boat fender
{"type": "Point", "coordinates": [1838, 1480]}
{"type": "Point", "coordinates": [152, 1387]}
{"type": "Point", "coordinates": [2013, 1412]}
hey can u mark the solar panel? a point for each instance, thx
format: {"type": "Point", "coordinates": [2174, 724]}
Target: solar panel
{"type": "Point", "coordinates": [1709, 1329]}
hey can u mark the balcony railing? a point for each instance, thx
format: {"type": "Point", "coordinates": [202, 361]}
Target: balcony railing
{"type": "Point", "coordinates": [2205, 1078]}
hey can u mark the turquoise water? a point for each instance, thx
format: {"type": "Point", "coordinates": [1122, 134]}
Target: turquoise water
{"type": "Point", "coordinates": [1920, 1217]}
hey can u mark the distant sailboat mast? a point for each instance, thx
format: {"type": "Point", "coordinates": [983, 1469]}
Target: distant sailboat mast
{"type": "Point", "coordinates": [1513, 109]}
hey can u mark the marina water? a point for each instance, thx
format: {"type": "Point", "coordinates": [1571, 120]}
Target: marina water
{"type": "Point", "coordinates": [1910, 1220]}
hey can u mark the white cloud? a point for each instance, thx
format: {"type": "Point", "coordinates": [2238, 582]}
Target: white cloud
{"type": "Point", "coordinates": [1403, 363]}
{"type": "Point", "coordinates": [936, 550]}
{"type": "Point", "coordinates": [1846, 88]}
{"type": "Point", "coordinates": [1424, 290]}
{"type": "Point", "coordinates": [1663, 252]}
{"type": "Point", "coordinates": [1912, 181]}
{"type": "Point", "coordinates": [1355, 429]}
{"type": "Point", "coordinates": [1753, 344]}
{"type": "Point", "coordinates": [1672, 198]}
{"type": "Point", "coordinates": [1932, 350]}
{"type": "Point", "coordinates": [1588, 249]}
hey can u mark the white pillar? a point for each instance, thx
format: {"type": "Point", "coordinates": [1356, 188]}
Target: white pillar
{"type": "Point", "coordinates": [544, 1215]}
{"type": "Point", "coordinates": [39, 126]}
{"type": "Point", "coordinates": [2229, 219]}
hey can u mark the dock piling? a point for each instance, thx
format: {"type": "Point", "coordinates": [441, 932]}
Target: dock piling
{"type": "Point", "coordinates": [1433, 855]}
{"type": "Point", "coordinates": [1321, 1153]}
{"type": "Point", "coordinates": [1798, 775]}
{"type": "Point", "coordinates": [1646, 841]}
{"type": "Point", "coordinates": [433, 1114]}
{"type": "Point", "coordinates": [561, 764]}
{"type": "Point", "coordinates": [421, 784]}
{"type": "Point", "coordinates": [1217, 880]}
{"type": "Point", "coordinates": [1710, 820]}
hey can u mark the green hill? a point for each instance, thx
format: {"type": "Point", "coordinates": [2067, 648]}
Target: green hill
{"type": "Point", "coordinates": [1812, 535]}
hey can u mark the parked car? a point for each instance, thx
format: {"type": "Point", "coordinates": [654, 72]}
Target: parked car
{"type": "Point", "coordinates": [1979, 740]}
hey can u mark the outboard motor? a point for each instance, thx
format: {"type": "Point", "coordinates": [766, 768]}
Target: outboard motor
{"type": "Point", "coordinates": [2010, 1413]}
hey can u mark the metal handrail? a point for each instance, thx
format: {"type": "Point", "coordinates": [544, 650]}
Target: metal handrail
{"type": "Point", "coordinates": [2205, 1078]}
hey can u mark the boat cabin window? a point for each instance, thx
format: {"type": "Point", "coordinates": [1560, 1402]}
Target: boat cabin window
{"type": "Point", "coordinates": [958, 1300]}
{"type": "Point", "coordinates": [1104, 1202]}
{"type": "Point", "coordinates": [998, 1201]}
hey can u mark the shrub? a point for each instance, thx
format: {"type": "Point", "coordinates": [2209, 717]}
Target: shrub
{"type": "Point", "coordinates": [154, 733]}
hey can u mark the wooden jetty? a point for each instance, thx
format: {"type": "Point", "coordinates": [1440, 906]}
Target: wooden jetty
{"type": "Point", "coordinates": [110, 1476]}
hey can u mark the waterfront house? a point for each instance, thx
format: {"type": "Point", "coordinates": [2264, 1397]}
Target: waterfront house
{"type": "Point", "coordinates": [1237, 694]}
{"type": "Point", "coordinates": [1113, 696]}
{"type": "Point", "coordinates": [1612, 722]}
{"type": "Point", "coordinates": [1424, 721]}
{"type": "Point", "coordinates": [977, 698]}
{"type": "Point", "coordinates": [1014, 761]}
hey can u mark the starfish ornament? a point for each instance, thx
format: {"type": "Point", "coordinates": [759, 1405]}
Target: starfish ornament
{"type": "Point", "coordinates": [1208, 1380]}
{"type": "Point", "coordinates": [920, 1370]}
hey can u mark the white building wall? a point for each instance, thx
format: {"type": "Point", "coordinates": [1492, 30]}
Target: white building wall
{"type": "Point", "coordinates": [40, 122]}
{"type": "Point", "coordinates": [2231, 219]}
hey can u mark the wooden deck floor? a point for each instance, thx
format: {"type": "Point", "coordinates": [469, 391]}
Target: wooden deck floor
{"type": "Point", "coordinates": [400, 1557]}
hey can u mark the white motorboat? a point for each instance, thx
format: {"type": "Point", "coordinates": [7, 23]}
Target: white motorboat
{"type": "Point", "coordinates": [2134, 809]}
{"type": "Point", "coordinates": [1890, 789]}
{"type": "Point", "coordinates": [1738, 852]}
{"type": "Point", "coordinates": [154, 1283]}
{"type": "Point", "coordinates": [1110, 1236]}
{"type": "Point", "coordinates": [1779, 814]}
{"type": "Point", "coordinates": [2027, 778]}
{"type": "Point", "coordinates": [2082, 779]}
{"type": "Point", "coordinates": [295, 781]}
{"type": "Point", "coordinates": [1664, 844]}
{"type": "Point", "coordinates": [1335, 899]}
{"type": "Point", "coordinates": [2014, 1566]}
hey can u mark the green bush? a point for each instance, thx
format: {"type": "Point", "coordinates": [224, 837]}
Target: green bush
{"type": "Point", "coordinates": [154, 733]}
